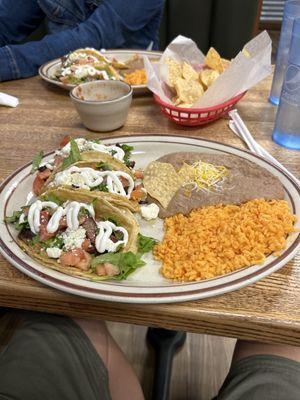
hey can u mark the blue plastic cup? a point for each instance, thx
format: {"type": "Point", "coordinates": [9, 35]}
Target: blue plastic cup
{"type": "Point", "coordinates": [287, 126]}
{"type": "Point", "coordinates": [291, 11]}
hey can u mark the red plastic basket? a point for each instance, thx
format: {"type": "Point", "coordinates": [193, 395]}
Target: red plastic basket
{"type": "Point", "coordinates": [196, 116]}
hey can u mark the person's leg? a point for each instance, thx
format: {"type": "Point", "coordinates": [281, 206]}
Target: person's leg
{"type": "Point", "coordinates": [123, 383]}
{"type": "Point", "coordinates": [18, 18]}
{"type": "Point", "coordinates": [52, 357]}
{"type": "Point", "coordinates": [245, 348]}
{"type": "Point", "coordinates": [262, 371]}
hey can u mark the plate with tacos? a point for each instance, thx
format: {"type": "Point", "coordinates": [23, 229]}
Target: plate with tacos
{"type": "Point", "coordinates": [148, 219]}
{"type": "Point", "coordinates": [85, 65]}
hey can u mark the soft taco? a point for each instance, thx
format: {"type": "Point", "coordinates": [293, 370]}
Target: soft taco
{"type": "Point", "coordinates": [85, 65]}
{"type": "Point", "coordinates": [68, 232]}
{"type": "Point", "coordinates": [83, 153]}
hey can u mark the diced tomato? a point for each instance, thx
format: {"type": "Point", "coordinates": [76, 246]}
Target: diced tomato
{"type": "Point", "coordinates": [76, 258]}
{"type": "Point", "coordinates": [107, 269]}
{"type": "Point", "coordinates": [138, 174]}
{"type": "Point", "coordinates": [138, 194]}
{"type": "Point", "coordinates": [44, 174]}
{"type": "Point", "coordinates": [65, 140]}
{"type": "Point", "coordinates": [64, 79]}
{"type": "Point", "coordinates": [100, 270]}
{"type": "Point", "coordinates": [37, 185]}
{"type": "Point", "coordinates": [72, 258]}
{"type": "Point", "coordinates": [86, 244]}
{"type": "Point", "coordinates": [85, 263]}
{"type": "Point", "coordinates": [62, 223]}
{"type": "Point", "coordinates": [44, 219]}
{"type": "Point", "coordinates": [111, 269]}
{"type": "Point", "coordinates": [44, 234]}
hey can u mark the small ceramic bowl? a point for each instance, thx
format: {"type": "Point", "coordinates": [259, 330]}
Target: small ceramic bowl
{"type": "Point", "coordinates": [102, 105]}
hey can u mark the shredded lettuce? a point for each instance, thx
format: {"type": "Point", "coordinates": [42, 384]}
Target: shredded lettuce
{"type": "Point", "coordinates": [56, 241]}
{"type": "Point", "coordinates": [74, 155]}
{"type": "Point", "coordinates": [126, 262]}
{"type": "Point", "coordinates": [102, 188]}
{"type": "Point", "coordinates": [145, 243]}
{"type": "Point", "coordinates": [104, 166]}
{"type": "Point", "coordinates": [14, 219]}
{"type": "Point", "coordinates": [53, 198]}
{"type": "Point", "coordinates": [127, 150]}
{"type": "Point", "coordinates": [36, 161]}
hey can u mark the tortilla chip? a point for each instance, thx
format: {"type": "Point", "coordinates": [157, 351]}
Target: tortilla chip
{"type": "Point", "coordinates": [161, 182]}
{"type": "Point", "coordinates": [213, 60]}
{"type": "Point", "coordinates": [185, 105]}
{"type": "Point", "coordinates": [246, 53]}
{"type": "Point", "coordinates": [189, 73]}
{"type": "Point", "coordinates": [208, 76]}
{"type": "Point", "coordinates": [174, 71]}
{"type": "Point", "coordinates": [186, 173]}
{"type": "Point", "coordinates": [188, 91]}
{"type": "Point", "coordinates": [225, 63]}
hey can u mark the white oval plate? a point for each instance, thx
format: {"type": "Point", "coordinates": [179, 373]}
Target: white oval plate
{"type": "Point", "coordinates": [146, 285]}
{"type": "Point", "coordinates": [47, 70]}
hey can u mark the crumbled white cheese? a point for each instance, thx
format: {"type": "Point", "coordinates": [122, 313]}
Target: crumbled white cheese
{"type": "Point", "coordinates": [53, 252]}
{"type": "Point", "coordinates": [48, 164]}
{"type": "Point", "coordinates": [82, 144]}
{"type": "Point", "coordinates": [150, 211]}
{"type": "Point", "coordinates": [66, 71]}
{"type": "Point", "coordinates": [83, 71]}
{"type": "Point", "coordinates": [70, 178]}
{"type": "Point", "coordinates": [73, 239]}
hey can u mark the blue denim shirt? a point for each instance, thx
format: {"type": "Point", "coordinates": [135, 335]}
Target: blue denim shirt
{"type": "Point", "coordinates": [72, 24]}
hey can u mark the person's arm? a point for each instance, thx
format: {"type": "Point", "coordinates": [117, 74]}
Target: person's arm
{"type": "Point", "coordinates": [18, 18]}
{"type": "Point", "coordinates": [110, 26]}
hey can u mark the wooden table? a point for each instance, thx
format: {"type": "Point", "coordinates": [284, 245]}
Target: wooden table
{"type": "Point", "coordinates": [268, 310]}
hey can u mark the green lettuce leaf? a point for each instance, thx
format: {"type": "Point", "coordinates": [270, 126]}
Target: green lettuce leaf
{"type": "Point", "coordinates": [36, 161]}
{"type": "Point", "coordinates": [14, 219]}
{"type": "Point", "coordinates": [145, 243]}
{"type": "Point", "coordinates": [127, 263]}
{"type": "Point", "coordinates": [127, 150]}
{"type": "Point", "coordinates": [53, 198]}
{"type": "Point", "coordinates": [74, 155]}
{"type": "Point", "coordinates": [104, 166]}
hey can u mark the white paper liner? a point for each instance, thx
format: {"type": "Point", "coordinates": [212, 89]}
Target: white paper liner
{"type": "Point", "coordinates": [241, 75]}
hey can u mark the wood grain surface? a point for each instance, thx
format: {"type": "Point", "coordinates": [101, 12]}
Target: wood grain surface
{"type": "Point", "coordinates": [268, 310]}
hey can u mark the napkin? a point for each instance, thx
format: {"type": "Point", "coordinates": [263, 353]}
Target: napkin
{"type": "Point", "coordinates": [242, 73]}
{"type": "Point", "coordinates": [7, 100]}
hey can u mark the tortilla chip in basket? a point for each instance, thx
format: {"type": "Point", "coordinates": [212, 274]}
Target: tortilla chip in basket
{"type": "Point", "coordinates": [174, 71]}
{"type": "Point", "coordinates": [188, 91]}
{"type": "Point", "coordinates": [208, 76]}
{"type": "Point", "coordinates": [213, 60]}
{"type": "Point", "coordinates": [188, 72]}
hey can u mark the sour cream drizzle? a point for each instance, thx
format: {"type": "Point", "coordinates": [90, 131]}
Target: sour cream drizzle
{"type": "Point", "coordinates": [71, 210]}
{"type": "Point", "coordinates": [34, 214]}
{"type": "Point", "coordinates": [86, 145]}
{"type": "Point", "coordinates": [103, 242]}
{"type": "Point", "coordinates": [87, 178]}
